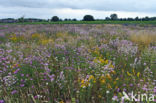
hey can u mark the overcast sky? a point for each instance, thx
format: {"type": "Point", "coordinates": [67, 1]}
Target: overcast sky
{"type": "Point", "coordinates": [76, 8]}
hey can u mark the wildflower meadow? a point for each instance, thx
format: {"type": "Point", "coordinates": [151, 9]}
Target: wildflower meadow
{"type": "Point", "coordinates": [77, 63]}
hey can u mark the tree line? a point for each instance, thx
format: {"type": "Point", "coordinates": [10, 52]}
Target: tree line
{"type": "Point", "coordinates": [112, 17]}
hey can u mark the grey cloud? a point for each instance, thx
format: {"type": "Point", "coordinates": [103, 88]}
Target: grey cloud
{"type": "Point", "coordinates": [106, 5]}
{"type": "Point", "coordinates": [78, 8]}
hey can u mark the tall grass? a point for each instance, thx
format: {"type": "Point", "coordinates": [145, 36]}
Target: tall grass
{"type": "Point", "coordinates": [143, 38]}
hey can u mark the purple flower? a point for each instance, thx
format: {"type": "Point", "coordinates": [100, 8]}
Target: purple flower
{"type": "Point", "coordinates": [131, 85]}
{"type": "Point", "coordinates": [144, 88]}
{"type": "Point", "coordinates": [124, 89]}
{"type": "Point", "coordinates": [36, 97]}
{"type": "Point", "coordinates": [2, 101]}
{"type": "Point", "coordinates": [16, 71]}
{"type": "Point", "coordinates": [22, 75]}
{"type": "Point", "coordinates": [115, 98]}
{"type": "Point", "coordinates": [14, 91]}
{"type": "Point", "coordinates": [118, 89]}
{"type": "Point", "coordinates": [124, 84]}
{"type": "Point", "coordinates": [155, 90]}
{"type": "Point", "coordinates": [21, 85]}
{"type": "Point", "coordinates": [51, 77]}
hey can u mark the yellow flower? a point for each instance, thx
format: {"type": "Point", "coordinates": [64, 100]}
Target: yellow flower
{"type": "Point", "coordinates": [108, 76]}
{"type": "Point", "coordinates": [95, 60]}
{"type": "Point", "coordinates": [129, 74]}
{"type": "Point", "coordinates": [96, 52]}
{"type": "Point", "coordinates": [14, 38]}
{"type": "Point", "coordinates": [99, 96]}
{"type": "Point", "coordinates": [92, 78]}
{"type": "Point", "coordinates": [117, 78]}
{"type": "Point", "coordinates": [101, 60]}
{"type": "Point", "coordinates": [109, 86]}
{"type": "Point", "coordinates": [102, 80]}
{"type": "Point", "coordinates": [111, 66]}
{"type": "Point", "coordinates": [114, 82]}
{"type": "Point", "coordinates": [84, 83]}
{"type": "Point", "coordinates": [61, 101]}
{"type": "Point", "coordinates": [133, 71]}
{"type": "Point", "coordinates": [116, 87]}
{"type": "Point", "coordinates": [113, 72]}
{"type": "Point", "coordinates": [106, 61]}
{"type": "Point", "coordinates": [35, 36]}
{"type": "Point", "coordinates": [138, 74]}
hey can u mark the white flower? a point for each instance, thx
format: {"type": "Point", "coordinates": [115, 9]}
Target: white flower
{"type": "Point", "coordinates": [107, 92]}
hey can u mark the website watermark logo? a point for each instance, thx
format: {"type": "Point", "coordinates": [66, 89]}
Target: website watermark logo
{"type": "Point", "coordinates": [138, 97]}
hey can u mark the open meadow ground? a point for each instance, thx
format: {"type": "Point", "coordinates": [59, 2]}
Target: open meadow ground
{"type": "Point", "coordinates": [77, 63]}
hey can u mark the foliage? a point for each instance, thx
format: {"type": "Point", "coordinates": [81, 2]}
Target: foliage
{"type": "Point", "coordinates": [55, 18]}
{"type": "Point", "coordinates": [75, 63]}
{"type": "Point", "coordinates": [88, 18]}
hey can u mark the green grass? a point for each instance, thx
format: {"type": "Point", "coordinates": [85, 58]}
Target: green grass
{"type": "Point", "coordinates": [91, 22]}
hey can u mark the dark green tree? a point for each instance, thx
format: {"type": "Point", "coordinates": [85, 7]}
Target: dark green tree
{"type": "Point", "coordinates": [114, 17]}
{"type": "Point", "coordinates": [21, 19]}
{"type": "Point", "coordinates": [137, 18]}
{"type": "Point", "coordinates": [55, 18]}
{"type": "Point", "coordinates": [88, 18]}
{"type": "Point", "coordinates": [107, 18]}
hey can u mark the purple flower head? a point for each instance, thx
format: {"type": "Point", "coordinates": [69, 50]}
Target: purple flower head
{"type": "Point", "coordinates": [36, 97]}
{"type": "Point", "coordinates": [155, 90]}
{"type": "Point", "coordinates": [131, 85]}
{"type": "Point", "coordinates": [16, 71]}
{"type": "Point", "coordinates": [14, 91]}
{"type": "Point", "coordinates": [32, 86]}
{"type": "Point", "coordinates": [21, 85]}
{"type": "Point", "coordinates": [2, 101]}
{"type": "Point", "coordinates": [22, 75]}
{"type": "Point", "coordinates": [118, 89]}
{"type": "Point", "coordinates": [115, 98]}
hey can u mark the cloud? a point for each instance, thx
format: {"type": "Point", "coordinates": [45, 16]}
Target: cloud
{"type": "Point", "coordinates": [76, 8]}
{"type": "Point", "coordinates": [107, 5]}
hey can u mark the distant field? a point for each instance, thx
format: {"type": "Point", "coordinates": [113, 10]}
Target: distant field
{"type": "Point", "coordinates": [92, 22]}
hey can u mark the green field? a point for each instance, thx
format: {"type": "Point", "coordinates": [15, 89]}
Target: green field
{"type": "Point", "coordinates": [144, 23]}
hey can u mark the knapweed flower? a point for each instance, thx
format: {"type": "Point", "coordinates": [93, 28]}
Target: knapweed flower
{"type": "Point", "coordinates": [21, 85]}
{"type": "Point", "coordinates": [14, 92]}
{"type": "Point", "coordinates": [2, 101]}
{"type": "Point", "coordinates": [115, 98]}
{"type": "Point", "coordinates": [17, 70]}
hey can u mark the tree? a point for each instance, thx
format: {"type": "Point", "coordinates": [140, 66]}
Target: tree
{"type": "Point", "coordinates": [55, 18]}
{"type": "Point", "coordinates": [114, 16]}
{"type": "Point", "coordinates": [74, 19]}
{"type": "Point", "coordinates": [88, 18]}
{"type": "Point", "coordinates": [107, 18]}
{"type": "Point", "coordinates": [21, 19]}
{"type": "Point", "coordinates": [137, 18]}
